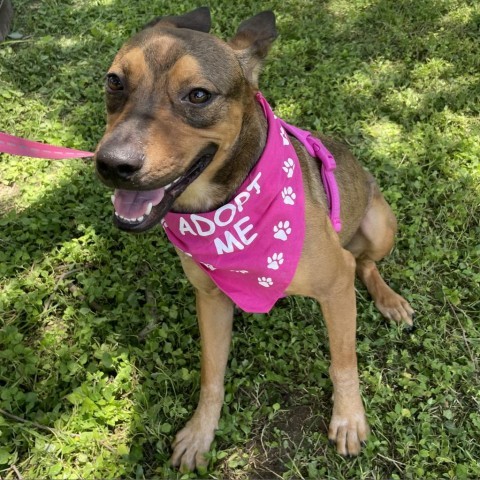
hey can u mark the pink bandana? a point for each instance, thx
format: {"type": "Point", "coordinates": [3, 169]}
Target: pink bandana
{"type": "Point", "coordinates": [251, 246]}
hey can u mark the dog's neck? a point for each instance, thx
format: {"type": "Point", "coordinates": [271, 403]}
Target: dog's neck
{"type": "Point", "coordinates": [209, 194]}
{"type": "Point", "coordinates": [245, 153]}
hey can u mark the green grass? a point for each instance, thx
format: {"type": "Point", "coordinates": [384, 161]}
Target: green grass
{"type": "Point", "coordinates": [99, 358]}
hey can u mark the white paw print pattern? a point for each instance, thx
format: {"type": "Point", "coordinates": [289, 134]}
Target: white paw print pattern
{"type": "Point", "coordinates": [275, 261]}
{"type": "Point", "coordinates": [240, 271]}
{"type": "Point", "coordinates": [164, 223]}
{"type": "Point", "coordinates": [282, 230]}
{"type": "Point", "coordinates": [289, 196]}
{"type": "Point", "coordinates": [284, 136]}
{"type": "Point", "coordinates": [265, 281]}
{"type": "Point", "coordinates": [288, 167]}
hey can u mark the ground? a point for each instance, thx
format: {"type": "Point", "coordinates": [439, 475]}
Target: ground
{"type": "Point", "coordinates": [99, 351]}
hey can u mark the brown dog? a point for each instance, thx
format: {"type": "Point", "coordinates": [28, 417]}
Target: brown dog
{"type": "Point", "coordinates": [184, 130]}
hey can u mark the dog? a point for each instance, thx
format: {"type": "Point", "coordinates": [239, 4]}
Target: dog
{"type": "Point", "coordinates": [186, 127]}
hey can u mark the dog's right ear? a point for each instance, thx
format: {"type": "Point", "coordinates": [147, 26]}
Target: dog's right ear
{"type": "Point", "coordinates": [198, 19]}
{"type": "Point", "coordinates": [252, 42]}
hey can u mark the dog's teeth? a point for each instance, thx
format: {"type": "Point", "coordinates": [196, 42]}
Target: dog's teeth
{"type": "Point", "coordinates": [113, 199]}
{"type": "Point", "coordinates": [130, 220]}
{"type": "Point", "coordinates": [149, 208]}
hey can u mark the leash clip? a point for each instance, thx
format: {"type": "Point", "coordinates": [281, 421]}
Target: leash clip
{"type": "Point", "coordinates": [321, 152]}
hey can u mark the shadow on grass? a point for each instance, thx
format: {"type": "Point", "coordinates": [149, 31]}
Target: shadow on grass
{"type": "Point", "coordinates": [327, 71]}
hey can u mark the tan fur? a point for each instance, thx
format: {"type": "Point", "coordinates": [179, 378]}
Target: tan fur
{"type": "Point", "coordinates": [236, 124]}
{"type": "Point", "coordinates": [202, 194]}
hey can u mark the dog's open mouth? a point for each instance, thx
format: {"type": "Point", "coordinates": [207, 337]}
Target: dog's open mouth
{"type": "Point", "coordinates": [139, 210]}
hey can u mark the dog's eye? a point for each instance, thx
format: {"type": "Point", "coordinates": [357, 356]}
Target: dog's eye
{"type": "Point", "coordinates": [199, 96]}
{"type": "Point", "coordinates": [114, 83]}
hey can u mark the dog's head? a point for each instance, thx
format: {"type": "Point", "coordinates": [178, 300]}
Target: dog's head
{"type": "Point", "coordinates": [176, 98]}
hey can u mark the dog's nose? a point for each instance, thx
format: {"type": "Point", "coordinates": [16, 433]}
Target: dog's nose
{"type": "Point", "coordinates": [118, 161]}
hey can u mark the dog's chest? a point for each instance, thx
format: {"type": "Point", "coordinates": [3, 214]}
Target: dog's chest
{"type": "Point", "coordinates": [251, 246]}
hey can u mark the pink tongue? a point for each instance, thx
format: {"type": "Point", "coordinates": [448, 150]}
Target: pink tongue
{"type": "Point", "coordinates": [130, 204]}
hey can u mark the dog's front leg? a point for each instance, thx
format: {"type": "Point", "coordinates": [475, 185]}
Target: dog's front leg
{"type": "Point", "coordinates": [348, 426]}
{"type": "Point", "coordinates": [215, 317]}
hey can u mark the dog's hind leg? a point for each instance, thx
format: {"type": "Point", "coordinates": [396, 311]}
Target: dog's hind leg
{"type": "Point", "coordinates": [215, 318]}
{"type": "Point", "coordinates": [373, 241]}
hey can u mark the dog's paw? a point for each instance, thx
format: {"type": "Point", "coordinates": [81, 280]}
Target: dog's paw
{"type": "Point", "coordinates": [190, 446]}
{"type": "Point", "coordinates": [348, 432]}
{"type": "Point", "coordinates": [394, 307]}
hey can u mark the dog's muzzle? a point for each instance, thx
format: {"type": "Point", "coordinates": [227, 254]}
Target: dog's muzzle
{"type": "Point", "coordinates": [139, 210]}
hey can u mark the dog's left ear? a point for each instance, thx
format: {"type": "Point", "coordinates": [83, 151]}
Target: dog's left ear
{"type": "Point", "coordinates": [198, 19]}
{"type": "Point", "coordinates": [252, 42]}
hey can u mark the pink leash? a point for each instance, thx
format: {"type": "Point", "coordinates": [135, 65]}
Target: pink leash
{"type": "Point", "coordinates": [19, 146]}
{"type": "Point", "coordinates": [317, 149]}
{"type": "Point", "coordinates": [27, 148]}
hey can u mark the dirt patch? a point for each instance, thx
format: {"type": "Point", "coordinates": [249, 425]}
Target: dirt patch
{"type": "Point", "coordinates": [282, 438]}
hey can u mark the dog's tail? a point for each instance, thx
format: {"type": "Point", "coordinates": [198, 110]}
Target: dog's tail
{"type": "Point", "coordinates": [6, 16]}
